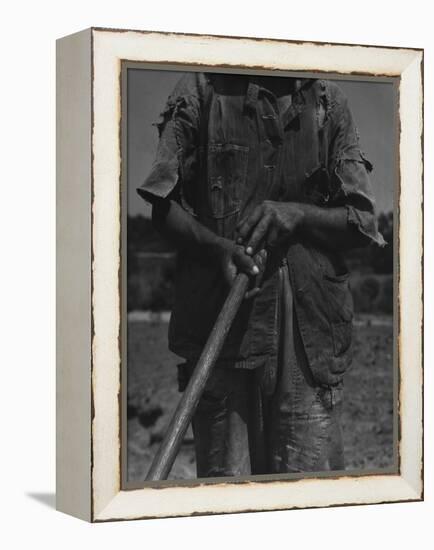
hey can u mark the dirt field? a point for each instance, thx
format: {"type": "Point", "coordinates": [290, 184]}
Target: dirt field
{"type": "Point", "coordinates": [153, 395]}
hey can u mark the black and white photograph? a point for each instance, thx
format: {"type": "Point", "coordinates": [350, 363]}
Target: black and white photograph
{"type": "Point", "coordinates": [259, 275]}
{"type": "Point", "coordinates": [217, 237]}
{"type": "Point", "coordinates": [216, 233]}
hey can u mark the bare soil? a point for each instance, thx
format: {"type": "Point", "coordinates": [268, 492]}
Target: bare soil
{"type": "Point", "coordinates": [153, 395]}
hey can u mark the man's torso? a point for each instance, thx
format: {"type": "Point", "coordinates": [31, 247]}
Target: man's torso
{"type": "Point", "coordinates": [256, 145]}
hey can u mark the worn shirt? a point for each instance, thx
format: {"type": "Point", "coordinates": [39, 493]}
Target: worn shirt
{"type": "Point", "coordinates": [227, 143]}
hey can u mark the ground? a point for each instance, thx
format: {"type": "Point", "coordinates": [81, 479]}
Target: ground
{"type": "Point", "coordinates": [152, 397]}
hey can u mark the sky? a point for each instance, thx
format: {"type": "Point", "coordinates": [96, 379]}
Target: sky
{"type": "Point", "coordinates": [372, 103]}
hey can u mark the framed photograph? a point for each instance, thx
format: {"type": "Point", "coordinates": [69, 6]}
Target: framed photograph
{"type": "Point", "coordinates": [239, 274]}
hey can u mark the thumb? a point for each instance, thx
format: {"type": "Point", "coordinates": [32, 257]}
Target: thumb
{"type": "Point", "coordinates": [229, 271]}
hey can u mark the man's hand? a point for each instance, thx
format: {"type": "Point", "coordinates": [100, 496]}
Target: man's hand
{"type": "Point", "coordinates": [232, 259]}
{"type": "Point", "coordinates": [187, 233]}
{"type": "Point", "coordinates": [272, 223]}
{"type": "Point", "coordinates": [268, 224]}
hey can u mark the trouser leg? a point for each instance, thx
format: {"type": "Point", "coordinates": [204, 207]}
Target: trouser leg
{"type": "Point", "coordinates": [336, 453]}
{"type": "Point", "coordinates": [220, 425]}
{"type": "Point", "coordinates": [304, 419]}
{"type": "Point", "coordinates": [252, 422]}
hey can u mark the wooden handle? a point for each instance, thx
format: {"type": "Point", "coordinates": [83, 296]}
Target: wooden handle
{"type": "Point", "coordinates": [166, 454]}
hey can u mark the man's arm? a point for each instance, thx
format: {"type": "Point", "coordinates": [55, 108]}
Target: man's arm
{"type": "Point", "coordinates": [274, 222]}
{"type": "Point", "coordinates": [178, 128]}
{"type": "Point", "coordinates": [348, 220]}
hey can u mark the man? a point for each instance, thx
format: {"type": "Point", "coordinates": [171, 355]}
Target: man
{"type": "Point", "coordinates": [263, 175]}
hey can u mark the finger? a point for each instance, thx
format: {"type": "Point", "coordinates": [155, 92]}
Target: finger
{"type": "Point", "coordinates": [247, 224]}
{"type": "Point", "coordinates": [260, 257]}
{"type": "Point", "coordinates": [229, 273]}
{"type": "Point", "coordinates": [252, 293]}
{"type": "Point", "coordinates": [258, 234]}
{"type": "Point", "coordinates": [260, 260]}
{"type": "Point", "coordinates": [246, 264]}
{"type": "Point", "coordinates": [259, 263]}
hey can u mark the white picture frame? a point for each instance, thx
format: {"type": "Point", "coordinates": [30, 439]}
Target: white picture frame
{"type": "Point", "coordinates": [89, 299]}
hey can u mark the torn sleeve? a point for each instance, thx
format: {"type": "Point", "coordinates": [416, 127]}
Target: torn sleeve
{"type": "Point", "coordinates": [351, 184]}
{"type": "Point", "coordinates": [174, 170]}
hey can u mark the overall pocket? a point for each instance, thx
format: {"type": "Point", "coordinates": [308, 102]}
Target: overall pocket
{"type": "Point", "coordinates": [227, 173]}
{"type": "Point", "coordinates": [340, 306]}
